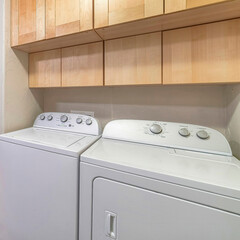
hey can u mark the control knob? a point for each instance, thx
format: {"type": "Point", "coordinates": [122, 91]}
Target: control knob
{"type": "Point", "coordinates": [64, 118]}
{"type": "Point", "coordinates": [184, 132]}
{"type": "Point", "coordinates": [78, 120]}
{"type": "Point", "coordinates": [42, 117]}
{"type": "Point", "coordinates": [89, 121]}
{"type": "Point", "coordinates": [203, 134]}
{"type": "Point", "coordinates": [156, 129]}
{"type": "Point", "coordinates": [50, 118]}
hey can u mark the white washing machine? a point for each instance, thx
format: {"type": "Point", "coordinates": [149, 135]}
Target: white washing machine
{"type": "Point", "coordinates": [39, 177]}
{"type": "Point", "coordinates": [159, 180]}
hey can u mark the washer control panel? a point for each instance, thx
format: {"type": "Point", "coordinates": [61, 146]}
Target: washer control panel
{"type": "Point", "coordinates": [167, 134]}
{"type": "Point", "coordinates": [69, 122]}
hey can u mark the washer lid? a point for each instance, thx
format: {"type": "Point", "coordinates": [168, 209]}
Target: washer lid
{"type": "Point", "coordinates": [209, 172]}
{"type": "Point", "coordinates": [62, 142]}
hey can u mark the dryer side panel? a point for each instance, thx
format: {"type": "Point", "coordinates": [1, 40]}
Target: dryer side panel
{"type": "Point", "coordinates": [123, 212]}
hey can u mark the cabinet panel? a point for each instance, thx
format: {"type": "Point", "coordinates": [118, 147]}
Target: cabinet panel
{"type": "Point", "coordinates": [45, 69]}
{"type": "Point", "coordinates": [82, 65]}
{"type": "Point", "coordinates": [67, 17]}
{"type": "Point", "coordinates": [27, 20]}
{"type": "Point", "coordinates": [208, 53]}
{"type": "Point", "coordinates": [133, 60]}
{"type": "Point", "coordinates": [110, 12]}
{"type": "Point", "coordinates": [177, 5]}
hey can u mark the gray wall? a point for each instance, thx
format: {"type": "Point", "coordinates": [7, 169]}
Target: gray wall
{"type": "Point", "coordinates": [203, 105]}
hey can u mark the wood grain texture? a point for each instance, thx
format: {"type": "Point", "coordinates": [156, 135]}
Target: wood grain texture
{"type": "Point", "coordinates": [100, 13]}
{"type": "Point", "coordinates": [86, 15]}
{"type": "Point", "coordinates": [82, 65]}
{"type": "Point", "coordinates": [50, 18]}
{"type": "Point", "coordinates": [45, 69]}
{"type": "Point", "coordinates": [14, 22]}
{"type": "Point", "coordinates": [194, 16]}
{"type": "Point", "coordinates": [59, 42]}
{"type": "Point", "coordinates": [175, 5]}
{"type": "Point", "coordinates": [133, 60]}
{"type": "Point", "coordinates": [208, 53]}
{"type": "Point", "coordinates": [110, 12]}
{"type": "Point", "coordinates": [197, 3]}
{"type": "Point", "coordinates": [40, 19]}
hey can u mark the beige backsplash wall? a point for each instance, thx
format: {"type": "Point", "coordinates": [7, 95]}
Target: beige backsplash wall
{"type": "Point", "coordinates": [233, 117]}
{"type": "Point", "coordinates": [203, 105]}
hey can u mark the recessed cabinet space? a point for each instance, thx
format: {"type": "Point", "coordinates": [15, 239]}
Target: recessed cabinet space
{"type": "Point", "coordinates": [82, 65]}
{"type": "Point", "coordinates": [74, 66]}
{"type": "Point", "coordinates": [207, 53]}
{"type": "Point", "coordinates": [134, 60]}
{"type": "Point", "coordinates": [45, 69]}
{"type": "Point", "coordinates": [178, 5]}
{"type": "Point", "coordinates": [65, 17]}
{"type": "Point", "coordinates": [27, 21]}
{"type": "Point", "coordinates": [110, 12]}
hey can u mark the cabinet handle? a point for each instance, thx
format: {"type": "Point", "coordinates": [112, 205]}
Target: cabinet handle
{"type": "Point", "coordinates": [111, 225]}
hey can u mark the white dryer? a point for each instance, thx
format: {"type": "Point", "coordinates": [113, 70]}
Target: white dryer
{"type": "Point", "coordinates": [159, 180]}
{"type": "Point", "coordinates": [39, 177]}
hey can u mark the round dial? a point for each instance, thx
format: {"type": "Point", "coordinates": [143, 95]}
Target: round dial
{"type": "Point", "coordinates": [64, 118]}
{"type": "Point", "coordinates": [50, 118]}
{"type": "Point", "coordinates": [202, 134]}
{"type": "Point", "coordinates": [184, 132]}
{"type": "Point", "coordinates": [89, 121]}
{"type": "Point", "coordinates": [42, 117]}
{"type": "Point", "coordinates": [156, 129]}
{"type": "Point", "coordinates": [78, 120]}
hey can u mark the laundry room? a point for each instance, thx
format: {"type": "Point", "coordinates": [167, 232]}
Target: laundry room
{"type": "Point", "coordinates": [117, 104]}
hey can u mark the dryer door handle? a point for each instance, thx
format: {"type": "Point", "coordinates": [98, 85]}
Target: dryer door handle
{"type": "Point", "coordinates": [111, 225]}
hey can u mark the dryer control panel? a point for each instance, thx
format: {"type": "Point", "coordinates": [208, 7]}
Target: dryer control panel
{"type": "Point", "coordinates": [68, 122]}
{"type": "Point", "coordinates": [167, 134]}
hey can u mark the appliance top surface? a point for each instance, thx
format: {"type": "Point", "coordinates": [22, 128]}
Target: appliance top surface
{"type": "Point", "coordinates": [205, 164]}
{"type": "Point", "coordinates": [68, 134]}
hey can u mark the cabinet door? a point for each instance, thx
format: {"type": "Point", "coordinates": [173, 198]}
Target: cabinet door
{"type": "Point", "coordinates": [133, 60]}
{"type": "Point", "coordinates": [177, 5]}
{"type": "Point", "coordinates": [27, 21]}
{"type": "Point", "coordinates": [65, 17]}
{"type": "Point", "coordinates": [124, 212]}
{"type": "Point", "coordinates": [110, 12]}
{"type": "Point", "coordinates": [82, 65]}
{"type": "Point", "coordinates": [45, 69]}
{"type": "Point", "coordinates": [208, 53]}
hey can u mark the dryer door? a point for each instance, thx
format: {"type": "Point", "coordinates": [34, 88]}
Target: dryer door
{"type": "Point", "coordinates": [126, 212]}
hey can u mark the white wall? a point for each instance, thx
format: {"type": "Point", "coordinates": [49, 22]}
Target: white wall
{"type": "Point", "coordinates": [233, 117]}
{"type": "Point", "coordinates": [203, 105]}
{"type": "Point", "coordinates": [21, 105]}
{"type": "Point", "coordinates": [2, 15]}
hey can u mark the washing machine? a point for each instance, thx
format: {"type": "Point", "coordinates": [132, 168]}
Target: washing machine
{"type": "Point", "coordinates": [159, 180]}
{"type": "Point", "coordinates": [39, 177]}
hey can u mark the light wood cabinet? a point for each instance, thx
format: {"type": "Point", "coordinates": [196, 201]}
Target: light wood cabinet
{"type": "Point", "coordinates": [82, 65]}
{"type": "Point", "coordinates": [207, 53]}
{"type": "Point", "coordinates": [178, 5]}
{"type": "Point", "coordinates": [65, 17]}
{"type": "Point", "coordinates": [133, 60]}
{"type": "Point", "coordinates": [45, 69]}
{"type": "Point", "coordinates": [110, 12]}
{"type": "Point", "coordinates": [27, 21]}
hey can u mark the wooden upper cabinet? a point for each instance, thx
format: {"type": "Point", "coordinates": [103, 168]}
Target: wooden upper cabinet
{"type": "Point", "coordinates": [27, 21]}
{"type": "Point", "coordinates": [82, 65]}
{"type": "Point", "coordinates": [65, 17]}
{"type": "Point", "coordinates": [45, 69]}
{"type": "Point", "coordinates": [134, 60]}
{"type": "Point", "coordinates": [178, 5]}
{"type": "Point", "coordinates": [207, 53]}
{"type": "Point", "coordinates": [110, 12]}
